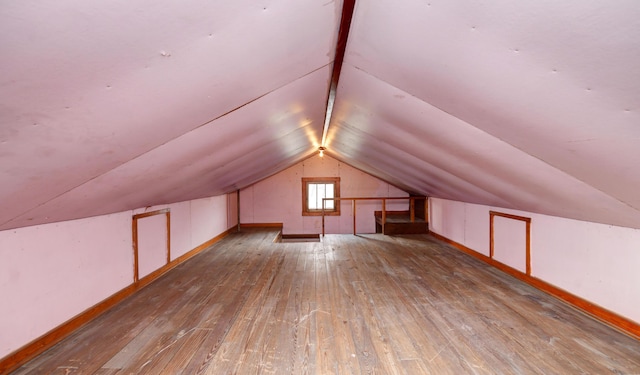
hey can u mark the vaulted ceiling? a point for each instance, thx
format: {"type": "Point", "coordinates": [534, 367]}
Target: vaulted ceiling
{"type": "Point", "coordinates": [109, 106]}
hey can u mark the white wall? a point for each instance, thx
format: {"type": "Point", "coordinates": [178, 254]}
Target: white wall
{"type": "Point", "coordinates": [596, 262]}
{"type": "Point", "coordinates": [50, 273]}
{"type": "Point", "coordinates": [278, 199]}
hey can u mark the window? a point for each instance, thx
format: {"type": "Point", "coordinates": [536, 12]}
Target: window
{"type": "Point", "coordinates": [314, 190]}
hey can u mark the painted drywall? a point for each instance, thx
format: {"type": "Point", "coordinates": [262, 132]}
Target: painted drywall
{"type": "Point", "coordinates": [510, 242]}
{"type": "Point", "coordinates": [278, 199]}
{"type": "Point", "coordinates": [156, 96]}
{"type": "Point", "coordinates": [524, 104]}
{"type": "Point", "coordinates": [232, 209]}
{"type": "Point", "coordinates": [49, 273]}
{"type": "Point", "coordinates": [152, 243]}
{"type": "Point", "coordinates": [181, 232]}
{"type": "Point", "coordinates": [596, 262]}
{"type": "Point", "coordinates": [208, 218]}
{"type": "Point", "coordinates": [197, 221]}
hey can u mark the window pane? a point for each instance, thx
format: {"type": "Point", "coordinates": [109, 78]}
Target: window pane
{"type": "Point", "coordinates": [312, 194]}
{"type": "Point", "coordinates": [321, 194]}
{"type": "Point", "coordinates": [329, 205]}
{"type": "Point", "coordinates": [316, 189]}
{"type": "Point", "coordinates": [316, 192]}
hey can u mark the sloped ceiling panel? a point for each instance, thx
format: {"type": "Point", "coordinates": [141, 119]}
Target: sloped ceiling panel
{"type": "Point", "coordinates": [99, 99]}
{"type": "Point", "coordinates": [236, 150]}
{"type": "Point", "coordinates": [531, 105]}
{"type": "Point", "coordinates": [527, 105]}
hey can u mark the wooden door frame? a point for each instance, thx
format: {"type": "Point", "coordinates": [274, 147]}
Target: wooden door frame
{"type": "Point", "coordinates": [527, 220]}
{"type": "Point", "coordinates": [134, 229]}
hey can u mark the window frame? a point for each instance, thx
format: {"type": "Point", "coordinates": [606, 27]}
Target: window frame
{"type": "Point", "coordinates": [320, 180]}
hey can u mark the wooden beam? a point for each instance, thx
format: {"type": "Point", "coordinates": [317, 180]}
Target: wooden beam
{"type": "Point", "coordinates": [341, 45]}
{"type": "Point", "coordinates": [323, 218]}
{"type": "Point", "coordinates": [384, 214]}
{"type": "Point", "coordinates": [260, 225]}
{"type": "Point", "coordinates": [134, 246]}
{"type": "Point", "coordinates": [529, 247]}
{"type": "Point", "coordinates": [426, 209]}
{"type": "Point", "coordinates": [354, 216]}
{"type": "Point", "coordinates": [383, 199]}
{"type": "Point", "coordinates": [412, 210]}
{"type": "Point", "coordinates": [168, 214]}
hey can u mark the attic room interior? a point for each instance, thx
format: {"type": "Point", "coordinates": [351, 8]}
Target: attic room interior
{"type": "Point", "coordinates": [298, 186]}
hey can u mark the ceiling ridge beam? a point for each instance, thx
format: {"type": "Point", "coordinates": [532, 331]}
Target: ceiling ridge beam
{"type": "Point", "coordinates": [341, 46]}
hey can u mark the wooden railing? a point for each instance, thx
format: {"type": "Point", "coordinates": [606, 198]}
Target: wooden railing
{"type": "Point", "coordinates": [412, 208]}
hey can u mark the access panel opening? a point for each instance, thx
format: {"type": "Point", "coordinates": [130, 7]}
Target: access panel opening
{"type": "Point", "coordinates": [292, 238]}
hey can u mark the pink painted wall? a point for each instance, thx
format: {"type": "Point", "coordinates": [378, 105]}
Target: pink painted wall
{"type": "Point", "coordinates": [197, 221]}
{"type": "Point", "coordinates": [180, 228]}
{"type": "Point", "coordinates": [278, 199]}
{"type": "Point", "coordinates": [597, 262]}
{"type": "Point", "coordinates": [52, 272]}
{"type": "Point", "coordinates": [208, 219]}
{"type": "Point", "coordinates": [510, 242]}
{"type": "Point", "coordinates": [152, 243]}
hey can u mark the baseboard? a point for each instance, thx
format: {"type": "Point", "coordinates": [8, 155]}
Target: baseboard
{"type": "Point", "coordinates": [608, 317]}
{"type": "Point", "coordinates": [49, 339]}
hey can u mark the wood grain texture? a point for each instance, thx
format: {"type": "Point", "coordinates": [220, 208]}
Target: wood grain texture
{"type": "Point", "coordinates": [629, 327]}
{"type": "Point", "coordinates": [527, 221]}
{"type": "Point", "coordinates": [136, 247]}
{"type": "Point", "coordinates": [399, 222]}
{"type": "Point", "coordinates": [49, 339]}
{"type": "Point", "coordinates": [348, 305]}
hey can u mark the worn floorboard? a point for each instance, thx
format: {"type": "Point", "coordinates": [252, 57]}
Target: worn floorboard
{"type": "Point", "coordinates": [348, 305]}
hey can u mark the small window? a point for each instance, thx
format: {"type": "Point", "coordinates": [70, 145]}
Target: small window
{"type": "Point", "coordinates": [314, 190]}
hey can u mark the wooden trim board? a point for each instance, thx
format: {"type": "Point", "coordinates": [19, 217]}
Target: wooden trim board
{"type": "Point", "coordinates": [527, 220]}
{"type": "Point", "coordinates": [134, 233]}
{"type": "Point", "coordinates": [49, 339]}
{"type": "Point", "coordinates": [261, 225]}
{"type": "Point", "coordinates": [608, 317]}
{"type": "Point", "coordinates": [335, 211]}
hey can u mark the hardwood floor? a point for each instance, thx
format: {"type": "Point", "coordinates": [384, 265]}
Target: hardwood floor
{"type": "Point", "coordinates": [351, 304]}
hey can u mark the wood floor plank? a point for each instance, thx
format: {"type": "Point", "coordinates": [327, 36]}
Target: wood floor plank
{"type": "Point", "coordinates": [326, 356]}
{"type": "Point", "coordinates": [170, 327]}
{"type": "Point", "coordinates": [366, 304]}
{"type": "Point", "coordinates": [241, 290]}
{"type": "Point", "coordinates": [301, 308]}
